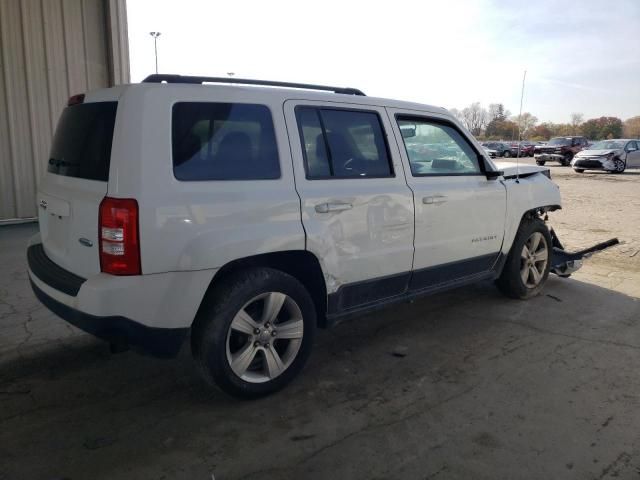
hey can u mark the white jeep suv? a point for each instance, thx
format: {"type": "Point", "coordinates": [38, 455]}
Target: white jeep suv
{"type": "Point", "coordinates": [243, 217]}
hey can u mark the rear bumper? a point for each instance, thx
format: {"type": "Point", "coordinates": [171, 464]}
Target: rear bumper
{"type": "Point", "coordinates": [151, 313]}
{"type": "Point", "coordinates": [159, 342]}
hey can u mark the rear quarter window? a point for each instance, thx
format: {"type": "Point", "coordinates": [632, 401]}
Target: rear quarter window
{"type": "Point", "coordinates": [81, 146]}
{"type": "Point", "coordinates": [223, 141]}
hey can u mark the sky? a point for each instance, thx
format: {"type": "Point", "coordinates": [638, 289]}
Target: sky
{"type": "Point", "coordinates": [580, 55]}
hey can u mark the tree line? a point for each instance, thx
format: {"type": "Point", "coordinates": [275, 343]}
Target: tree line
{"type": "Point", "coordinates": [497, 123]}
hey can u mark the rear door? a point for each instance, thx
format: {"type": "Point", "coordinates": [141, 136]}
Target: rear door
{"type": "Point", "coordinates": [75, 183]}
{"type": "Point", "coordinates": [459, 213]}
{"type": "Point", "coordinates": [357, 209]}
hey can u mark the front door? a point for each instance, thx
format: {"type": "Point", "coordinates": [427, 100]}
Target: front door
{"type": "Point", "coordinates": [460, 214]}
{"type": "Point", "coordinates": [357, 209]}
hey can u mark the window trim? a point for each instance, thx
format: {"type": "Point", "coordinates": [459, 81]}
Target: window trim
{"type": "Point", "coordinates": [441, 121]}
{"type": "Point", "coordinates": [317, 108]}
{"type": "Point", "coordinates": [275, 138]}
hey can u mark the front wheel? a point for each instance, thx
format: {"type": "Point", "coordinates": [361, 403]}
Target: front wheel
{"type": "Point", "coordinates": [566, 160]}
{"type": "Point", "coordinates": [540, 162]}
{"type": "Point", "coordinates": [578, 170]}
{"type": "Point", "coordinates": [507, 154]}
{"type": "Point", "coordinates": [619, 166]}
{"type": "Point", "coordinates": [529, 261]}
{"type": "Point", "coordinates": [254, 333]}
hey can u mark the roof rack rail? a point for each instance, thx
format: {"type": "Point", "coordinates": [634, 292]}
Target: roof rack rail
{"type": "Point", "coordinates": [172, 78]}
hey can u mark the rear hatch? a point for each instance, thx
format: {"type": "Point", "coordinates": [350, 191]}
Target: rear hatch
{"type": "Point", "coordinates": [75, 183]}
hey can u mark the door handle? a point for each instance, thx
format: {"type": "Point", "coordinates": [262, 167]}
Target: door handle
{"type": "Point", "coordinates": [434, 200]}
{"type": "Point", "coordinates": [333, 207]}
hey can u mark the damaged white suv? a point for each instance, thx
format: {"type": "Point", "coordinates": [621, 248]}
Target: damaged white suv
{"type": "Point", "coordinates": [243, 217]}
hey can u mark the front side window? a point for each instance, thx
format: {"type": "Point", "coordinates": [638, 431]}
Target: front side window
{"type": "Point", "coordinates": [223, 141]}
{"type": "Point", "coordinates": [437, 149]}
{"type": "Point", "coordinates": [342, 143]}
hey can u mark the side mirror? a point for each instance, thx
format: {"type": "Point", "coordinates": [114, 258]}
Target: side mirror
{"type": "Point", "coordinates": [493, 174]}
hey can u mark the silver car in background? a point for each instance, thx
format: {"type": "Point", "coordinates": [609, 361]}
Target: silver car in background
{"type": "Point", "coordinates": [614, 156]}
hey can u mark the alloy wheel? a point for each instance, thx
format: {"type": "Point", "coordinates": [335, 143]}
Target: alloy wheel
{"type": "Point", "coordinates": [533, 260]}
{"type": "Point", "coordinates": [264, 337]}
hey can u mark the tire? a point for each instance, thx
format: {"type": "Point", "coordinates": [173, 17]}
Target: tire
{"type": "Point", "coordinates": [540, 162]}
{"type": "Point", "coordinates": [236, 342]}
{"type": "Point", "coordinates": [512, 281]}
{"type": "Point", "coordinates": [578, 170]}
{"type": "Point", "coordinates": [620, 165]}
{"type": "Point", "coordinates": [507, 154]}
{"type": "Point", "coordinates": [566, 161]}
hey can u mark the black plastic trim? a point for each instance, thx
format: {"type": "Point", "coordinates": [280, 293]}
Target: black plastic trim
{"type": "Point", "coordinates": [52, 274]}
{"type": "Point", "coordinates": [121, 331]}
{"type": "Point", "coordinates": [363, 296]}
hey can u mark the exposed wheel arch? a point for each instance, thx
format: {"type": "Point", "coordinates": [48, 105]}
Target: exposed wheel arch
{"type": "Point", "coordinates": [300, 264]}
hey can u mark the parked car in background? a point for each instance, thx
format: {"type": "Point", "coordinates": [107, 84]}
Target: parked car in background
{"type": "Point", "coordinates": [611, 155]}
{"type": "Point", "coordinates": [502, 149]}
{"type": "Point", "coordinates": [526, 149]}
{"type": "Point", "coordinates": [490, 152]}
{"type": "Point", "coordinates": [559, 149]}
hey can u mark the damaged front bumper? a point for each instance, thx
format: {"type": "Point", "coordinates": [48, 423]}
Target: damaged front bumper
{"type": "Point", "coordinates": [564, 263]}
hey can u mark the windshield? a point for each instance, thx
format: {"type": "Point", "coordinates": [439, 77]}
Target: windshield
{"type": "Point", "coordinates": [607, 145]}
{"type": "Point", "coordinates": [560, 141]}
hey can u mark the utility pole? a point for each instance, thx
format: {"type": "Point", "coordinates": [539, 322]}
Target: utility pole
{"type": "Point", "coordinates": [155, 36]}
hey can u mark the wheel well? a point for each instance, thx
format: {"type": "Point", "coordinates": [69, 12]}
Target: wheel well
{"type": "Point", "coordinates": [300, 264]}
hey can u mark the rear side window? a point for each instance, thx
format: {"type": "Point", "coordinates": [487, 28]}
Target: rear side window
{"type": "Point", "coordinates": [223, 141]}
{"type": "Point", "coordinates": [340, 143]}
{"type": "Point", "coordinates": [81, 146]}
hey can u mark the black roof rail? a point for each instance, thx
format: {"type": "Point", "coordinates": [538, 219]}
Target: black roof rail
{"type": "Point", "coordinates": [172, 78]}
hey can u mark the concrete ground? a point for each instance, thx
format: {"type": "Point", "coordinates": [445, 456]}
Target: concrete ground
{"type": "Point", "coordinates": [488, 388]}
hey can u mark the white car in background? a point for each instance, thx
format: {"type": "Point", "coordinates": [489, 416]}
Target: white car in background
{"type": "Point", "coordinates": [611, 155]}
{"type": "Point", "coordinates": [492, 153]}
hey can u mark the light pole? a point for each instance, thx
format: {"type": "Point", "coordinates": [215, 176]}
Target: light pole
{"type": "Point", "coordinates": [155, 36]}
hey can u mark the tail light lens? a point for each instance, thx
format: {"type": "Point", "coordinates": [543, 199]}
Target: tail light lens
{"type": "Point", "coordinates": [119, 236]}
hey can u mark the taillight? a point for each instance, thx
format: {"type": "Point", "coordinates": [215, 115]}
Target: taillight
{"type": "Point", "coordinates": [119, 236]}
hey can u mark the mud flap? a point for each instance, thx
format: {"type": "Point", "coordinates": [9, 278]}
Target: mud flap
{"type": "Point", "coordinates": [564, 263]}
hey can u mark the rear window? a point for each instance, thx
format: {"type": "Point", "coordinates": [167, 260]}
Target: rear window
{"type": "Point", "coordinates": [81, 146]}
{"type": "Point", "coordinates": [223, 141]}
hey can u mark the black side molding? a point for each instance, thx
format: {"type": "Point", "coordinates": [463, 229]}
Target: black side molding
{"type": "Point", "coordinates": [52, 274]}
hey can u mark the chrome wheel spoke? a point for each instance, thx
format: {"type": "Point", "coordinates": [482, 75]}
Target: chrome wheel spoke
{"type": "Point", "coordinates": [274, 363]}
{"type": "Point", "coordinates": [243, 322]}
{"type": "Point", "coordinates": [241, 361]}
{"type": "Point", "coordinates": [541, 255]}
{"type": "Point", "coordinates": [535, 274]}
{"type": "Point", "coordinates": [272, 306]}
{"type": "Point", "coordinates": [535, 241]}
{"type": "Point", "coordinates": [525, 252]}
{"type": "Point", "coordinates": [292, 329]}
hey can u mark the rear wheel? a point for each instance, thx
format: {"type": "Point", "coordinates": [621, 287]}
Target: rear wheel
{"type": "Point", "coordinates": [527, 267]}
{"type": "Point", "coordinates": [578, 170]}
{"type": "Point", "coordinates": [540, 162]}
{"type": "Point", "coordinates": [507, 154]}
{"type": "Point", "coordinates": [254, 334]}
